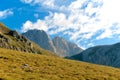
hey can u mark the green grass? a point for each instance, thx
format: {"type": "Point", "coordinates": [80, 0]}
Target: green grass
{"type": "Point", "coordinates": [43, 67]}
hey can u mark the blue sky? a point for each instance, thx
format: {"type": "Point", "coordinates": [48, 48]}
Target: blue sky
{"type": "Point", "coordinates": [84, 22]}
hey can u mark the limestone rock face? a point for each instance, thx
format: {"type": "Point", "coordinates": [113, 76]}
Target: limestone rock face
{"type": "Point", "coordinates": [41, 38]}
{"type": "Point", "coordinates": [58, 45]}
{"type": "Point", "coordinates": [65, 48]}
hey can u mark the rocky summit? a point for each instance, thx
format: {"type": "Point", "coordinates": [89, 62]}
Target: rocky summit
{"type": "Point", "coordinates": [58, 45]}
{"type": "Point", "coordinates": [41, 38]}
{"type": "Point", "coordinates": [65, 48]}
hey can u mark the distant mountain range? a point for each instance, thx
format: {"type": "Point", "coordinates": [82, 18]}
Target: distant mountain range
{"type": "Point", "coordinates": [58, 45]}
{"type": "Point", "coordinates": [11, 39]}
{"type": "Point", "coordinates": [106, 55]}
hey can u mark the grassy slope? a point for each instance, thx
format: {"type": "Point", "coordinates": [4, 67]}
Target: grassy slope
{"type": "Point", "coordinates": [42, 67]}
{"type": "Point", "coordinates": [3, 28]}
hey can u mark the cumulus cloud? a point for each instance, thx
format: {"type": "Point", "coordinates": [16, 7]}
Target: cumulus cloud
{"type": "Point", "coordinates": [5, 13]}
{"type": "Point", "coordinates": [37, 25]}
{"type": "Point", "coordinates": [47, 3]}
{"type": "Point", "coordinates": [80, 19]}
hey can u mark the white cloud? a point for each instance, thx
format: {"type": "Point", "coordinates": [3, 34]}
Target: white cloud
{"type": "Point", "coordinates": [107, 34]}
{"type": "Point", "coordinates": [36, 15]}
{"type": "Point", "coordinates": [5, 13]}
{"type": "Point", "coordinates": [81, 19]}
{"type": "Point", "coordinates": [45, 3]}
{"type": "Point", "coordinates": [49, 3]}
{"type": "Point", "coordinates": [37, 25]}
{"type": "Point", "coordinates": [27, 1]}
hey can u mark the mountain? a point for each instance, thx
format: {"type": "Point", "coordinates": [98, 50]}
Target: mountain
{"type": "Point", "coordinates": [11, 39]}
{"type": "Point", "coordinates": [41, 38]}
{"type": "Point", "coordinates": [65, 48]}
{"type": "Point", "coordinates": [106, 55]}
{"type": "Point", "coordinates": [58, 45]}
{"type": "Point", "coordinates": [16, 65]}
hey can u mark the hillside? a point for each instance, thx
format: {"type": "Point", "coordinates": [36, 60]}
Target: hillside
{"type": "Point", "coordinates": [11, 39]}
{"type": "Point", "coordinates": [105, 54]}
{"type": "Point", "coordinates": [16, 65]}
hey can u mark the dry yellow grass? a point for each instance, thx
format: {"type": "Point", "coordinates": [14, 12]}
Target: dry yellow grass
{"type": "Point", "coordinates": [16, 65]}
{"type": "Point", "coordinates": [3, 28]}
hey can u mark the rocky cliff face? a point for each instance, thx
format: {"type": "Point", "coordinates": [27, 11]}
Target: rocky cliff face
{"type": "Point", "coordinates": [12, 40]}
{"type": "Point", "coordinates": [41, 38]}
{"type": "Point", "coordinates": [105, 55]}
{"type": "Point", "coordinates": [58, 45]}
{"type": "Point", "coordinates": [65, 48]}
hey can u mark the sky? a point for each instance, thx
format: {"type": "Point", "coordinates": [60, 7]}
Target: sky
{"type": "Point", "coordinates": [85, 22]}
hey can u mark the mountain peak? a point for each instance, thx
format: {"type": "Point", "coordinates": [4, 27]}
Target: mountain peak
{"type": "Point", "coordinates": [65, 48]}
{"type": "Point", "coordinates": [58, 45]}
{"type": "Point", "coordinates": [41, 38]}
{"type": "Point", "coordinates": [36, 30]}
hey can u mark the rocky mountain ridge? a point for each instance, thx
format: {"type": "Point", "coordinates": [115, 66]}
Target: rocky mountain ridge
{"type": "Point", "coordinates": [106, 55]}
{"type": "Point", "coordinates": [41, 38]}
{"type": "Point", "coordinates": [58, 45]}
{"type": "Point", "coordinates": [65, 48]}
